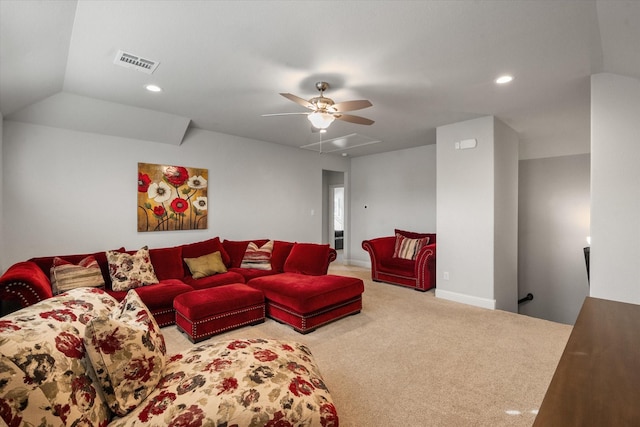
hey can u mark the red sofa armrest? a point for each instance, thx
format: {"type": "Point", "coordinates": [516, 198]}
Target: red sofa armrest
{"type": "Point", "coordinates": [379, 248]}
{"type": "Point", "coordinates": [26, 283]}
{"type": "Point", "coordinates": [426, 267]}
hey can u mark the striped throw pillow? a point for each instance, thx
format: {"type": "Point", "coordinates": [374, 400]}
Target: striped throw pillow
{"type": "Point", "coordinates": [407, 248]}
{"type": "Point", "coordinates": [258, 257]}
{"type": "Point", "coordinates": [66, 275]}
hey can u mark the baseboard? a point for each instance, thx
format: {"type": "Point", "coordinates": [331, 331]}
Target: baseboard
{"type": "Point", "coordinates": [358, 263]}
{"type": "Point", "coordinates": [466, 299]}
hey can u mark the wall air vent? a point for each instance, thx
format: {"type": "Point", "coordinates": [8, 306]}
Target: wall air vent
{"type": "Point", "coordinates": [129, 60]}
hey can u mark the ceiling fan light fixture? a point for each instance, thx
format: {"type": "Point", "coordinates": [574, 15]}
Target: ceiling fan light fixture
{"type": "Point", "coordinates": [320, 120]}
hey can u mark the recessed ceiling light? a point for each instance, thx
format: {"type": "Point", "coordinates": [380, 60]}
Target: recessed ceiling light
{"type": "Point", "coordinates": [153, 88]}
{"type": "Point", "coordinates": [504, 79]}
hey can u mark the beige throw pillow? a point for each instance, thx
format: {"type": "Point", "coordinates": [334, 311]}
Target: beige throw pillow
{"type": "Point", "coordinates": [206, 265]}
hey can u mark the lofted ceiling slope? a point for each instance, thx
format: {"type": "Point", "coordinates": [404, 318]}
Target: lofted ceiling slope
{"type": "Point", "coordinates": [223, 64]}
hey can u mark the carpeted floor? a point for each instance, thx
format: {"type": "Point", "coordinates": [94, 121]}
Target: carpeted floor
{"type": "Point", "coordinates": [412, 360]}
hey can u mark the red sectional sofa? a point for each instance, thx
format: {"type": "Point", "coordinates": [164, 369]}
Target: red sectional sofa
{"type": "Point", "coordinates": [418, 273]}
{"type": "Point", "coordinates": [28, 282]}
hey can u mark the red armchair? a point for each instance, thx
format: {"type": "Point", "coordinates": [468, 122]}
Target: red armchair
{"type": "Point", "coordinates": [418, 273]}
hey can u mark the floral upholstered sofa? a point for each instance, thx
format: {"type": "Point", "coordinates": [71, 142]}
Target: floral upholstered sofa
{"type": "Point", "coordinates": [82, 358]}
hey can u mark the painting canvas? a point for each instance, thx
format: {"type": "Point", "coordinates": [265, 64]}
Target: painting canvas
{"type": "Point", "coordinates": [172, 198]}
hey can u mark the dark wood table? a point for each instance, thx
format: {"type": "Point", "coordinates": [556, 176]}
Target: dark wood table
{"type": "Point", "coordinates": [597, 381]}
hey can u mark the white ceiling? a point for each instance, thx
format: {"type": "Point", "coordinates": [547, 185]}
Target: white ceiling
{"type": "Point", "coordinates": [422, 64]}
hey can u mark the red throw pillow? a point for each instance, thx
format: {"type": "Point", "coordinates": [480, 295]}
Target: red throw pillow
{"type": "Point", "coordinates": [308, 258]}
{"type": "Point", "coordinates": [167, 262]}
{"type": "Point", "coordinates": [411, 234]}
{"type": "Point", "coordinates": [281, 251]}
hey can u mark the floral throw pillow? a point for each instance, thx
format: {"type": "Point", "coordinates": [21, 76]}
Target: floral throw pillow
{"type": "Point", "coordinates": [130, 271]}
{"type": "Point", "coordinates": [127, 351]}
{"type": "Point", "coordinates": [258, 257]}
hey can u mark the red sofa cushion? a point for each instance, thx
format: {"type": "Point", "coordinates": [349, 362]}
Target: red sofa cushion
{"type": "Point", "coordinates": [308, 258]}
{"type": "Point", "coordinates": [158, 295]}
{"type": "Point", "coordinates": [167, 262]}
{"type": "Point", "coordinates": [195, 250]}
{"type": "Point", "coordinates": [399, 266]}
{"type": "Point", "coordinates": [215, 280]}
{"type": "Point", "coordinates": [306, 294]}
{"type": "Point", "coordinates": [203, 303]}
{"type": "Point", "coordinates": [281, 251]}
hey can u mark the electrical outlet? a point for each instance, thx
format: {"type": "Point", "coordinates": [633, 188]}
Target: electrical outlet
{"type": "Point", "coordinates": [445, 275]}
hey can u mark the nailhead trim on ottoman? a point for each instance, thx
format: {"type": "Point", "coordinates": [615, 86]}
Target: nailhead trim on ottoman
{"type": "Point", "coordinates": [203, 313]}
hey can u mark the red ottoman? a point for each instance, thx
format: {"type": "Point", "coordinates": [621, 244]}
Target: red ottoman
{"type": "Point", "coordinates": [206, 312]}
{"type": "Point", "coordinates": [307, 302]}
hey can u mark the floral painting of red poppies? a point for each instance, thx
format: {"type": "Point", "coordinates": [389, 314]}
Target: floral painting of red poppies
{"type": "Point", "coordinates": [172, 198]}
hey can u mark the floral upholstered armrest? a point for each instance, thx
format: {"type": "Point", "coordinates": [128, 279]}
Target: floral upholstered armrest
{"type": "Point", "coordinates": [26, 283]}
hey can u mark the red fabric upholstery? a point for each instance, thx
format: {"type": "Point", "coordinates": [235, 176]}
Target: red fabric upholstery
{"type": "Point", "coordinates": [213, 281]}
{"type": "Point", "coordinates": [236, 249]}
{"type": "Point", "coordinates": [419, 273]}
{"type": "Point", "coordinates": [26, 283]}
{"type": "Point", "coordinates": [203, 313]}
{"type": "Point", "coordinates": [195, 250]}
{"type": "Point", "coordinates": [305, 294]}
{"type": "Point", "coordinates": [203, 303]}
{"type": "Point", "coordinates": [281, 251]}
{"type": "Point", "coordinates": [252, 273]}
{"type": "Point", "coordinates": [308, 258]}
{"type": "Point", "coordinates": [167, 262]}
{"type": "Point", "coordinates": [156, 295]}
{"type": "Point", "coordinates": [306, 302]}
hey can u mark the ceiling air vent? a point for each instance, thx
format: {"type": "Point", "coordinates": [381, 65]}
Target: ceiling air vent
{"type": "Point", "coordinates": [130, 60]}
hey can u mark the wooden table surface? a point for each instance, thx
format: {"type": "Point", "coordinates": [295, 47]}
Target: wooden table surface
{"type": "Point", "coordinates": [597, 381]}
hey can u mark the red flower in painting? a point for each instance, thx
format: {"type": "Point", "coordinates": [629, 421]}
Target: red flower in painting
{"type": "Point", "coordinates": [159, 211]}
{"type": "Point", "coordinates": [70, 345]}
{"type": "Point", "coordinates": [192, 417]}
{"type": "Point", "coordinates": [227, 386]}
{"type": "Point", "coordinates": [179, 205]}
{"type": "Point", "coordinates": [143, 182]}
{"type": "Point", "coordinates": [176, 175]}
{"type": "Point", "coordinates": [278, 421]}
{"type": "Point", "coordinates": [299, 386]}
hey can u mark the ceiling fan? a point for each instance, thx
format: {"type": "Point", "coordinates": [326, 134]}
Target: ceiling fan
{"type": "Point", "coordinates": [324, 111]}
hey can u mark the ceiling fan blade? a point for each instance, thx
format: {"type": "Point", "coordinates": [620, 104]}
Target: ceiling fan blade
{"type": "Point", "coordinates": [353, 119]}
{"type": "Point", "coordinates": [283, 114]}
{"type": "Point", "coordinates": [298, 100]}
{"type": "Point", "coordinates": [352, 105]}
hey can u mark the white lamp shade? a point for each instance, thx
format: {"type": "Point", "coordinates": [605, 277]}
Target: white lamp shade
{"type": "Point", "coordinates": [320, 120]}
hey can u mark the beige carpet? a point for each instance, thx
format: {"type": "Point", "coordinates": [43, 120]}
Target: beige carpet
{"type": "Point", "coordinates": [410, 359]}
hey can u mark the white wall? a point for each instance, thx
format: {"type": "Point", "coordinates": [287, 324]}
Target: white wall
{"type": "Point", "coordinates": [73, 192]}
{"type": "Point", "coordinates": [388, 191]}
{"type": "Point", "coordinates": [615, 188]}
{"type": "Point", "coordinates": [505, 249]}
{"type": "Point", "coordinates": [553, 227]}
{"type": "Point", "coordinates": [465, 222]}
{"type": "Point", "coordinates": [469, 225]}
